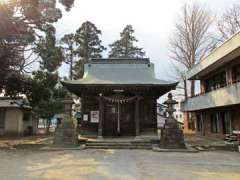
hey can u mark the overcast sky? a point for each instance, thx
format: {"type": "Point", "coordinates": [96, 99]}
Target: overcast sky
{"type": "Point", "coordinates": [153, 21]}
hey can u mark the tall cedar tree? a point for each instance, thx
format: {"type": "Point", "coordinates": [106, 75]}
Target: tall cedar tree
{"type": "Point", "coordinates": [124, 47]}
{"type": "Point", "coordinates": [51, 55]}
{"type": "Point", "coordinates": [68, 46]}
{"type": "Point", "coordinates": [88, 45]}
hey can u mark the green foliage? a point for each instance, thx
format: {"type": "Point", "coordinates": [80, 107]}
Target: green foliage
{"type": "Point", "coordinates": [67, 3]}
{"type": "Point", "coordinates": [43, 93]}
{"type": "Point", "coordinates": [27, 28]}
{"type": "Point", "coordinates": [88, 46]}
{"type": "Point", "coordinates": [68, 42]}
{"type": "Point", "coordinates": [51, 55]}
{"type": "Point", "coordinates": [10, 60]}
{"type": "Point", "coordinates": [23, 27]}
{"type": "Point", "coordinates": [15, 84]}
{"type": "Point", "coordinates": [124, 47]}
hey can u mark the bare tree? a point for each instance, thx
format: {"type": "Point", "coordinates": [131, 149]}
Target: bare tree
{"type": "Point", "coordinates": [191, 40]}
{"type": "Point", "coordinates": [229, 23]}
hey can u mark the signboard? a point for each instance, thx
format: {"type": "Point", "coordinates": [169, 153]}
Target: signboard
{"type": "Point", "coordinates": [160, 121]}
{"type": "Point", "coordinates": [94, 116]}
{"type": "Point", "coordinates": [85, 117]}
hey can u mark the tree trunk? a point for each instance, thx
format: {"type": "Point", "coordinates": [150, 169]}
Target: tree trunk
{"type": "Point", "coordinates": [186, 97]}
{"type": "Point", "coordinates": [48, 125]}
{"type": "Point", "coordinates": [71, 66]}
{"type": "Point", "coordinates": [185, 89]}
{"type": "Point", "coordinates": [192, 88]}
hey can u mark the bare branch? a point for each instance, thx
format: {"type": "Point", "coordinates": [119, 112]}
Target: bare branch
{"type": "Point", "coordinates": [229, 23]}
{"type": "Point", "coordinates": [192, 39]}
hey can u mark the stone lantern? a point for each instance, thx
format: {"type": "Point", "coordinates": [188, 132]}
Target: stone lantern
{"type": "Point", "coordinates": [65, 134]}
{"type": "Point", "coordinates": [171, 134]}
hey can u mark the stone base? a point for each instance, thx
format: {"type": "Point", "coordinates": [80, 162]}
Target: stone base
{"type": "Point", "coordinates": [172, 138]}
{"type": "Point", "coordinates": [65, 136]}
{"type": "Point", "coordinates": [187, 150]}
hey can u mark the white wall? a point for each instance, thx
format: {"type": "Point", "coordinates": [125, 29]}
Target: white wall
{"type": "Point", "coordinates": [13, 121]}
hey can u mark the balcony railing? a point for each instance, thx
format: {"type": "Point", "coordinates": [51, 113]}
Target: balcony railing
{"type": "Point", "coordinates": [222, 86]}
{"type": "Point", "coordinates": [228, 95]}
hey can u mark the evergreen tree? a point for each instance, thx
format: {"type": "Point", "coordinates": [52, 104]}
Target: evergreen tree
{"type": "Point", "coordinates": [68, 47]}
{"type": "Point", "coordinates": [88, 46]}
{"type": "Point", "coordinates": [41, 93]}
{"type": "Point", "coordinates": [124, 47]}
{"type": "Point", "coordinates": [23, 28]}
{"type": "Point", "coordinates": [51, 55]}
{"type": "Point", "coordinates": [26, 31]}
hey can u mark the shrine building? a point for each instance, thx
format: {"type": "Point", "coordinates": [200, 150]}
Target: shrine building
{"type": "Point", "coordinates": [118, 97]}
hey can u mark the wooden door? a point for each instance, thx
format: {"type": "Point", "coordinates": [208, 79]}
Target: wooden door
{"type": "Point", "coordinates": [110, 122]}
{"type": "Point", "coordinates": [118, 119]}
{"type": "Point", "coordinates": [127, 119]}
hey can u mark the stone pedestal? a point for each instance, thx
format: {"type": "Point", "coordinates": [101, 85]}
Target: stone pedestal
{"type": "Point", "coordinates": [172, 139]}
{"type": "Point", "coordinates": [171, 135]}
{"type": "Point", "coordinates": [65, 133]}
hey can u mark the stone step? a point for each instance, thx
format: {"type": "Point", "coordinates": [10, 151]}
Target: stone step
{"type": "Point", "coordinates": [118, 147]}
{"type": "Point", "coordinates": [116, 141]}
{"type": "Point", "coordinates": [118, 144]}
{"type": "Point", "coordinates": [107, 145]}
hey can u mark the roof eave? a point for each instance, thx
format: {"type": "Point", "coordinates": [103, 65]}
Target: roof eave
{"type": "Point", "coordinates": [222, 53]}
{"type": "Point", "coordinates": [66, 83]}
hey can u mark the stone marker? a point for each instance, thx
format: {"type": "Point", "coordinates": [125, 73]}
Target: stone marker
{"type": "Point", "coordinates": [171, 134]}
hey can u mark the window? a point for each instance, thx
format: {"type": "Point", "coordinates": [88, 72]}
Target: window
{"type": "Point", "coordinates": [2, 118]}
{"type": "Point", "coordinates": [215, 123]}
{"type": "Point", "coordinates": [217, 81]}
{"type": "Point", "coordinates": [191, 124]}
{"type": "Point", "coordinates": [226, 122]}
{"type": "Point", "coordinates": [236, 73]}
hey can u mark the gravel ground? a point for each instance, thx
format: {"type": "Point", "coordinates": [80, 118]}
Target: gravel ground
{"type": "Point", "coordinates": [118, 164]}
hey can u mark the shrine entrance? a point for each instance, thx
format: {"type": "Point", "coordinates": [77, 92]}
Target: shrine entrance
{"type": "Point", "coordinates": [118, 117]}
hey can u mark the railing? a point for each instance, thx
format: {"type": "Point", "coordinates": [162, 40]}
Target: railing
{"type": "Point", "coordinates": [228, 95]}
{"type": "Point", "coordinates": [221, 86]}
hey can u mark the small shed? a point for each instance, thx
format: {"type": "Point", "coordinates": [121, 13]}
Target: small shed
{"type": "Point", "coordinates": [16, 117]}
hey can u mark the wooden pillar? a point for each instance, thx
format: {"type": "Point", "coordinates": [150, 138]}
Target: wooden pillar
{"type": "Point", "coordinates": [136, 117]}
{"type": "Point", "coordinates": [155, 113]}
{"type": "Point", "coordinates": [100, 123]}
{"type": "Point", "coordinates": [82, 105]}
